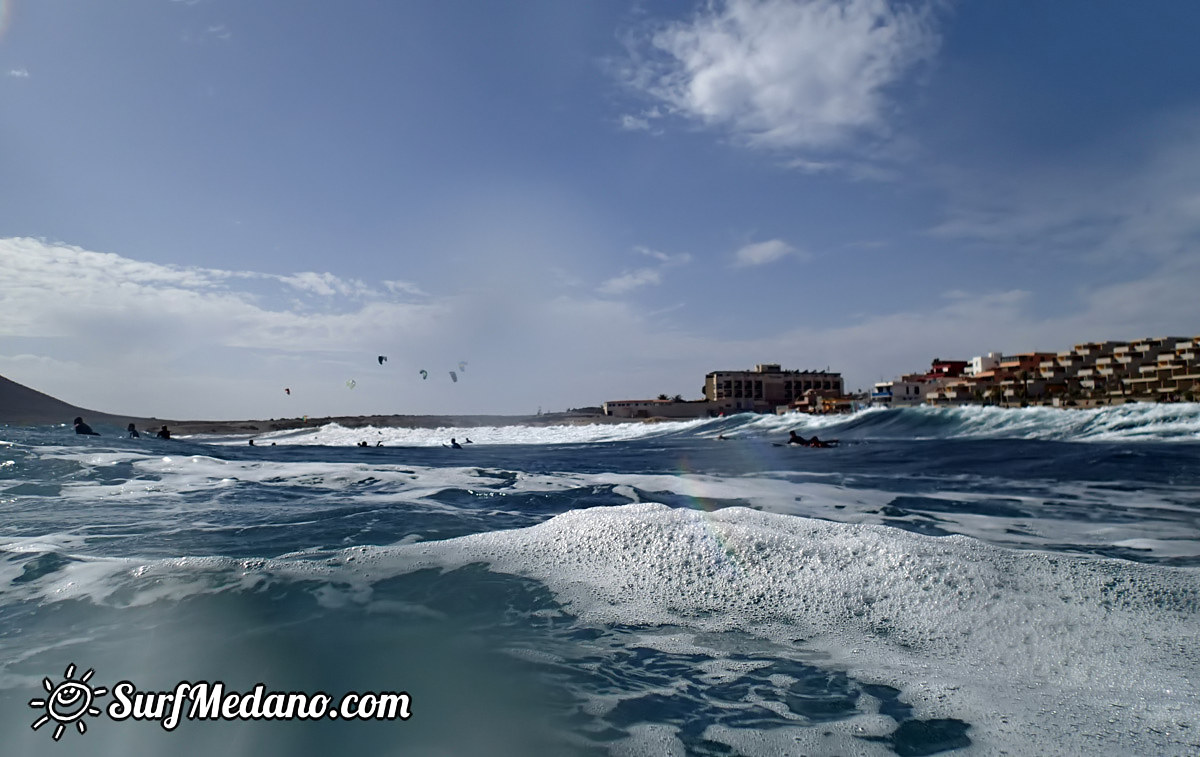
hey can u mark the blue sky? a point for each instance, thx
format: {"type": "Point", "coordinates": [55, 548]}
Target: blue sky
{"type": "Point", "coordinates": [205, 201]}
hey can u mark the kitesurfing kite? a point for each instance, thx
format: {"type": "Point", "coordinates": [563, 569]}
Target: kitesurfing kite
{"type": "Point", "coordinates": [454, 377]}
{"type": "Point", "coordinates": [288, 390]}
{"type": "Point", "coordinates": [424, 374]}
{"type": "Point", "coordinates": [462, 367]}
{"type": "Point", "coordinates": [351, 384]}
{"type": "Point", "coordinates": [382, 359]}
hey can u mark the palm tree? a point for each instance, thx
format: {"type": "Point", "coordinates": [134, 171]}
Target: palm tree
{"type": "Point", "coordinates": [662, 397]}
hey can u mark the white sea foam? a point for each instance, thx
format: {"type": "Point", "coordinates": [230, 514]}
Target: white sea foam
{"type": "Point", "coordinates": [1057, 644]}
{"type": "Point", "coordinates": [336, 435]}
{"type": "Point", "coordinates": [1130, 422]}
{"type": "Point", "coordinates": [1031, 648]}
{"type": "Point", "coordinates": [164, 480]}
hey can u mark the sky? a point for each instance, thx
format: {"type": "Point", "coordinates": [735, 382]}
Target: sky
{"type": "Point", "coordinates": [206, 202]}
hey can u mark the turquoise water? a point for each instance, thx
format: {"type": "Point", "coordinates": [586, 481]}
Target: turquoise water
{"type": "Point", "coordinates": [969, 581]}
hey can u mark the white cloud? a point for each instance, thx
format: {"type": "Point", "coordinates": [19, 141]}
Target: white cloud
{"type": "Point", "coordinates": [786, 74]}
{"type": "Point", "coordinates": [634, 123]}
{"type": "Point", "coordinates": [18, 73]}
{"type": "Point", "coordinates": [630, 280]}
{"type": "Point", "coordinates": [403, 287]}
{"type": "Point", "coordinates": [110, 333]}
{"type": "Point", "coordinates": [666, 258]}
{"type": "Point", "coordinates": [761, 253]}
{"type": "Point", "coordinates": [327, 284]}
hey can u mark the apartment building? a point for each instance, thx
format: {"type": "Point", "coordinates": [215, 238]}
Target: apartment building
{"type": "Point", "coordinates": [767, 387]}
{"type": "Point", "coordinates": [1154, 369]}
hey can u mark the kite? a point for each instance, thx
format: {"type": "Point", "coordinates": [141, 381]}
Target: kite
{"type": "Point", "coordinates": [462, 367]}
{"type": "Point", "coordinates": [288, 390]}
{"type": "Point", "coordinates": [424, 374]}
{"type": "Point", "coordinates": [351, 384]}
{"type": "Point", "coordinates": [382, 359]}
{"type": "Point", "coordinates": [454, 377]}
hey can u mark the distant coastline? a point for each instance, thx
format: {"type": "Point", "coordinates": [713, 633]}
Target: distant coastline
{"type": "Point", "coordinates": [22, 406]}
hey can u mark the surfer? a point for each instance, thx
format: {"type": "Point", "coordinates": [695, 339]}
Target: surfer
{"type": "Point", "coordinates": [795, 438]}
{"type": "Point", "coordinates": [164, 433]}
{"type": "Point", "coordinates": [454, 444]}
{"type": "Point", "coordinates": [251, 442]}
{"type": "Point", "coordinates": [133, 434]}
{"type": "Point", "coordinates": [83, 428]}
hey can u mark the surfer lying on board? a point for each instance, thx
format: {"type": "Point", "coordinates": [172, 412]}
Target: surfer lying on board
{"type": "Point", "coordinates": [83, 428]}
{"type": "Point", "coordinates": [795, 438]}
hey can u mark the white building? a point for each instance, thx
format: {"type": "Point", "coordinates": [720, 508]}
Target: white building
{"type": "Point", "coordinates": [980, 364]}
{"type": "Point", "coordinates": [899, 393]}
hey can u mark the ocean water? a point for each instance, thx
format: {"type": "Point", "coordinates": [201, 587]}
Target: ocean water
{"type": "Point", "coordinates": [969, 581]}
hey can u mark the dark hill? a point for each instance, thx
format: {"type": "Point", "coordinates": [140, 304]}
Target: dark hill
{"type": "Point", "coordinates": [22, 406]}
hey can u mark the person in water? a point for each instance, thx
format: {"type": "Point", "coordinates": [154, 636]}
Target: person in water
{"type": "Point", "coordinates": [164, 433]}
{"type": "Point", "coordinates": [454, 444]}
{"type": "Point", "coordinates": [133, 434]}
{"type": "Point", "coordinates": [794, 438]}
{"type": "Point", "coordinates": [83, 428]}
{"type": "Point", "coordinates": [251, 442]}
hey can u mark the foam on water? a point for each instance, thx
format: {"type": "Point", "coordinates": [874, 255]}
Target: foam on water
{"type": "Point", "coordinates": [336, 435]}
{"type": "Point", "coordinates": [1028, 514]}
{"type": "Point", "coordinates": [1039, 652]}
{"type": "Point", "coordinates": [1032, 646]}
{"type": "Point", "coordinates": [1129, 422]}
{"type": "Point", "coordinates": [731, 560]}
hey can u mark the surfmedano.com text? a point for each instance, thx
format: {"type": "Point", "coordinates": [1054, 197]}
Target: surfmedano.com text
{"type": "Point", "coordinates": [210, 701]}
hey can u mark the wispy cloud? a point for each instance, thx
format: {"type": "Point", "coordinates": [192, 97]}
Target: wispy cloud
{"type": "Point", "coordinates": [785, 74]}
{"type": "Point", "coordinates": [327, 284]}
{"type": "Point", "coordinates": [403, 287]}
{"type": "Point", "coordinates": [220, 31]}
{"type": "Point", "coordinates": [635, 279]}
{"type": "Point", "coordinates": [113, 333]}
{"type": "Point", "coordinates": [18, 73]}
{"type": "Point", "coordinates": [1136, 199]}
{"type": "Point", "coordinates": [634, 123]}
{"type": "Point", "coordinates": [631, 280]}
{"type": "Point", "coordinates": [761, 253]}
{"type": "Point", "coordinates": [666, 258]}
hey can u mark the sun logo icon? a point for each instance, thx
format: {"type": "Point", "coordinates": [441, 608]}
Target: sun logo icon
{"type": "Point", "coordinates": [68, 702]}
